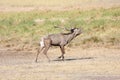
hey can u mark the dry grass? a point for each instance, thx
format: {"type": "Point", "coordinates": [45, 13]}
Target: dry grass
{"type": "Point", "coordinates": [22, 30]}
{"type": "Point", "coordinates": [28, 5]}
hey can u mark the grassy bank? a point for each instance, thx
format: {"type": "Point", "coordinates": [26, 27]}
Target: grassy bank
{"type": "Point", "coordinates": [24, 29]}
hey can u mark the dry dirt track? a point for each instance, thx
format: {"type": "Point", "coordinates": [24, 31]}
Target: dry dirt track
{"type": "Point", "coordinates": [80, 64]}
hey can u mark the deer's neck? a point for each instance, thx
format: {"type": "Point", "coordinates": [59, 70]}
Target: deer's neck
{"type": "Point", "coordinates": [70, 37]}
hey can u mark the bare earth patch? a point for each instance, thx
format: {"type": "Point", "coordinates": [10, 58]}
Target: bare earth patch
{"type": "Point", "coordinates": [80, 64]}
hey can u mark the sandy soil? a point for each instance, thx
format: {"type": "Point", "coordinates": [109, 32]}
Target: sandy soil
{"type": "Point", "coordinates": [79, 64]}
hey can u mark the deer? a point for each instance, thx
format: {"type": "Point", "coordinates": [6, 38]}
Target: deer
{"type": "Point", "coordinates": [59, 39]}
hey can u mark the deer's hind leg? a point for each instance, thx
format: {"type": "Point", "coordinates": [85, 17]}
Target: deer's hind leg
{"type": "Point", "coordinates": [38, 52]}
{"type": "Point", "coordinates": [42, 44]}
{"type": "Point", "coordinates": [47, 46]}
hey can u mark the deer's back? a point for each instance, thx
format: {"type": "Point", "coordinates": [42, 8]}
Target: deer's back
{"type": "Point", "coordinates": [56, 39]}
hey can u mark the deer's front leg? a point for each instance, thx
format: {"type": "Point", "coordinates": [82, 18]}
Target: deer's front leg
{"type": "Point", "coordinates": [63, 52]}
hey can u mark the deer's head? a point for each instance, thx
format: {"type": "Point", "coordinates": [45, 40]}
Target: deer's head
{"type": "Point", "coordinates": [76, 31]}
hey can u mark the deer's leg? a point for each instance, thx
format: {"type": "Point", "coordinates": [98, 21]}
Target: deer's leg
{"type": "Point", "coordinates": [63, 52]}
{"type": "Point", "coordinates": [38, 52]}
{"type": "Point", "coordinates": [47, 46]}
{"type": "Point", "coordinates": [59, 57]}
{"type": "Point", "coordinates": [45, 53]}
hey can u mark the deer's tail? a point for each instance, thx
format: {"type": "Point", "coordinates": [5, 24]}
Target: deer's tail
{"type": "Point", "coordinates": [42, 44]}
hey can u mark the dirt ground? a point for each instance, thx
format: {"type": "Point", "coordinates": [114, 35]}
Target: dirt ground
{"type": "Point", "coordinates": [80, 64]}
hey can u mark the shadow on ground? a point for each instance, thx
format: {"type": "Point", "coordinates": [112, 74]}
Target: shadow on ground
{"type": "Point", "coordinates": [73, 59]}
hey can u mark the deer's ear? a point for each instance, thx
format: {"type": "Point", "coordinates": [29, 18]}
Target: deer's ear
{"type": "Point", "coordinates": [72, 27]}
{"type": "Point", "coordinates": [75, 29]}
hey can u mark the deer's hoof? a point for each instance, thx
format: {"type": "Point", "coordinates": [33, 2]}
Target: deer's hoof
{"type": "Point", "coordinates": [36, 61]}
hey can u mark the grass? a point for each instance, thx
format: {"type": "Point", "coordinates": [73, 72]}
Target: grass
{"type": "Point", "coordinates": [26, 28]}
{"type": "Point", "coordinates": [28, 5]}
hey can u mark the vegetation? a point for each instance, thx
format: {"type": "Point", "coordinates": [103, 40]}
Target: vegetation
{"type": "Point", "coordinates": [51, 3]}
{"type": "Point", "coordinates": [25, 28]}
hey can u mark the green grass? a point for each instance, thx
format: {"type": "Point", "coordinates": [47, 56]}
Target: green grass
{"type": "Point", "coordinates": [100, 26]}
